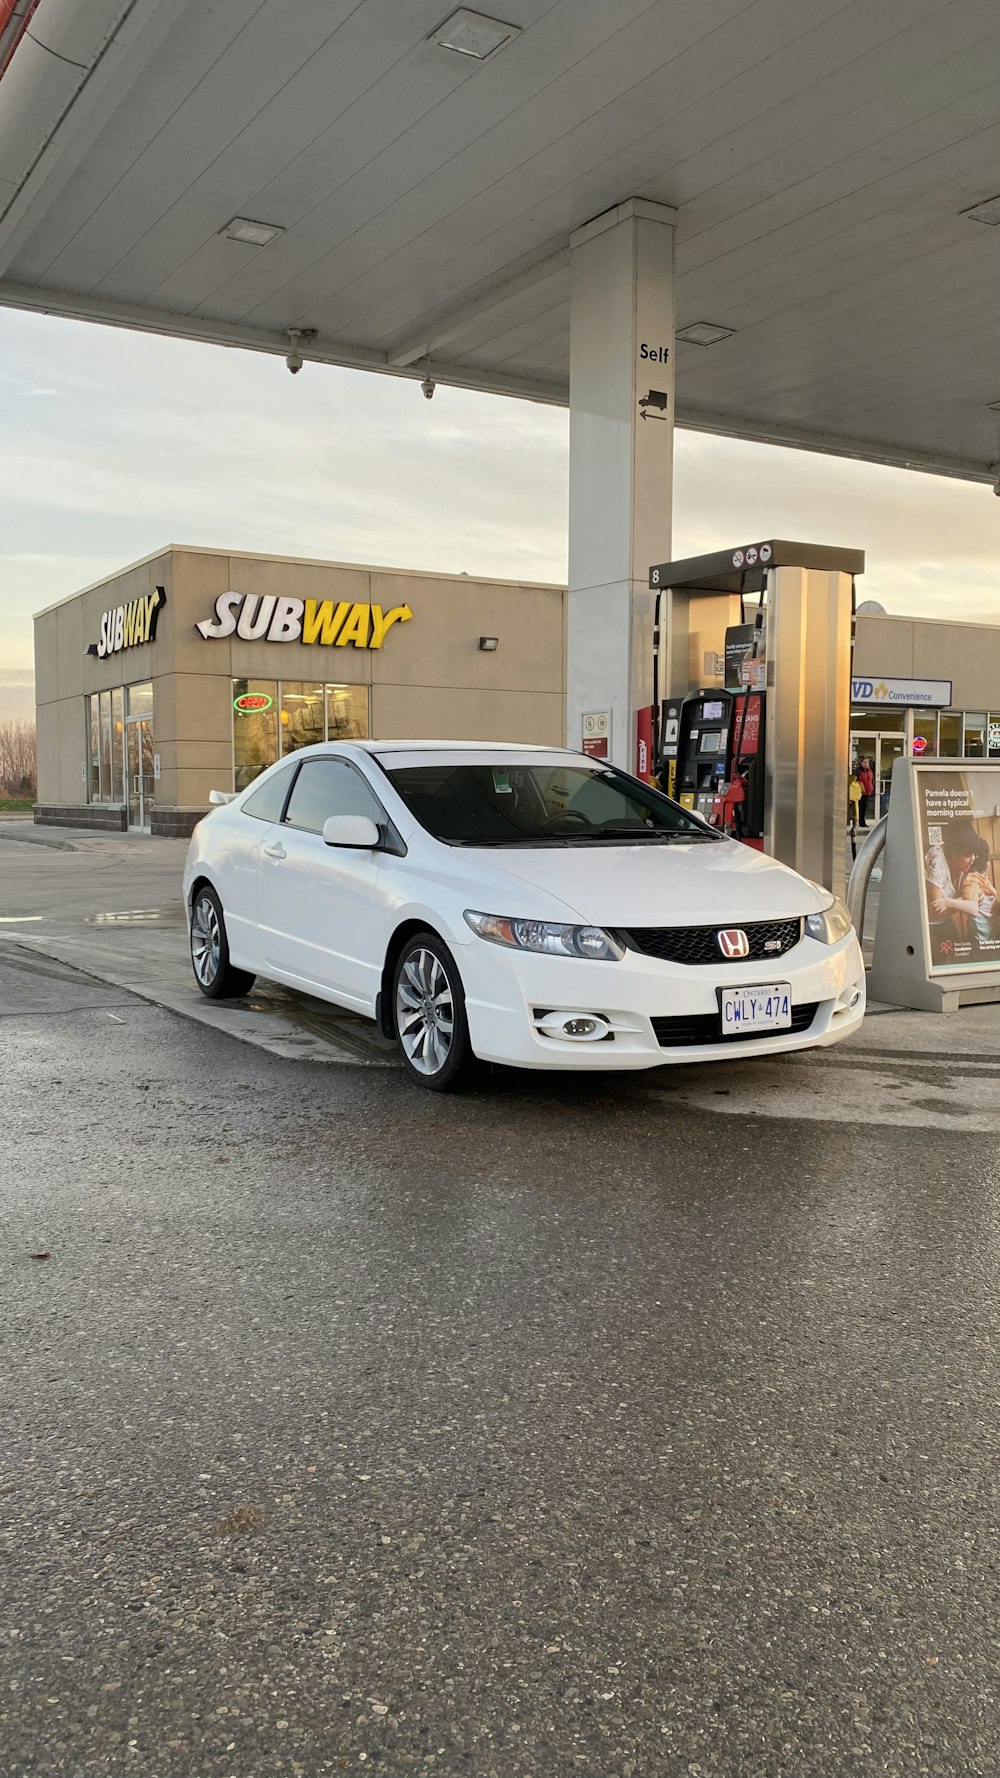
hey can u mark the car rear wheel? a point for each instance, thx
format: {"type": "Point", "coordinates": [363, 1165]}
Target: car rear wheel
{"type": "Point", "coordinates": [429, 1013]}
{"type": "Point", "coordinates": [213, 972]}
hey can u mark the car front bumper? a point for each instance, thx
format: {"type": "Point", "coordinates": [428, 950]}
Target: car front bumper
{"type": "Point", "coordinates": [507, 993]}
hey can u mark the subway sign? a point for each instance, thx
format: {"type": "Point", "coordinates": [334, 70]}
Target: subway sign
{"type": "Point", "coordinates": [129, 626]}
{"type": "Point", "coordinates": [332, 623]}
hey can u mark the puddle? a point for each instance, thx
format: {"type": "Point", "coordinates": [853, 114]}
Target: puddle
{"type": "Point", "coordinates": [138, 917]}
{"type": "Point", "coordinates": [332, 1024]}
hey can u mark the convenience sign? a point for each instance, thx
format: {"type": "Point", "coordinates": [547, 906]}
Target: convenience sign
{"type": "Point", "coordinates": [926, 694]}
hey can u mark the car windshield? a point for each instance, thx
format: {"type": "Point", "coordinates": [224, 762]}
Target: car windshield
{"type": "Point", "coordinates": [541, 805]}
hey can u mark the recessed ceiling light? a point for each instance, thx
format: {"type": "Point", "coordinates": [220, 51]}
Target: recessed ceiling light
{"type": "Point", "coordinates": [704, 333]}
{"type": "Point", "coordinates": [252, 234]}
{"type": "Point", "coordinates": [473, 34]}
{"type": "Point", "coordinates": [988, 212]}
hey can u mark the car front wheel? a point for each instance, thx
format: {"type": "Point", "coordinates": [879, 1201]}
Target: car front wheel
{"type": "Point", "coordinates": [429, 1013]}
{"type": "Point", "coordinates": [213, 972]}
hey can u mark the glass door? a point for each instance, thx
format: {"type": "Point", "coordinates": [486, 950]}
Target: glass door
{"type": "Point", "coordinates": [864, 745]}
{"type": "Point", "coordinates": [890, 748]}
{"type": "Point", "coordinates": [139, 763]}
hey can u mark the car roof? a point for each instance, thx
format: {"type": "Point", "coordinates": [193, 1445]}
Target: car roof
{"type": "Point", "coordinates": [386, 747]}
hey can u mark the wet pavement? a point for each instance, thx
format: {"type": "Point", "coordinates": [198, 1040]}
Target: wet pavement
{"type": "Point", "coordinates": [643, 1426]}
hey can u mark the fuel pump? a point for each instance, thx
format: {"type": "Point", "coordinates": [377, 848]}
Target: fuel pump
{"type": "Point", "coordinates": [763, 752]}
{"type": "Point", "coordinates": [703, 749]}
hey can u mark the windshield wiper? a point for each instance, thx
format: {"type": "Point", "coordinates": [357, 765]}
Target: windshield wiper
{"type": "Point", "coordinates": [627, 836]}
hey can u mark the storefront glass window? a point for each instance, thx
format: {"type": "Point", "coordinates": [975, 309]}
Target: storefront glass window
{"type": "Point", "coordinates": [94, 747]}
{"type": "Point", "coordinates": [255, 728]}
{"type": "Point", "coordinates": [106, 746]}
{"type": "Point", "coordinates": [140, 700]}
{"type": "Point", "coordinates": [975, 734]}
{"type": "Point", "coordinates": [950, 741]}
{"type": "Point", "coordinates": [347, 712]}
{"type": "Point", "coordinates": [925, 729]}
{"type": "Point", "coordinates": [301, 715]}
{"type": "Point", "coordinates": [994, 734]}
{"type": "Point", "coordinates": [117, 746]}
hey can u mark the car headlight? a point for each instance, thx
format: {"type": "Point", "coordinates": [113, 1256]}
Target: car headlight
{"type": "Point", "coordinates": [544, 935]}
{"type": "Point", "coordinates": [833, 924]}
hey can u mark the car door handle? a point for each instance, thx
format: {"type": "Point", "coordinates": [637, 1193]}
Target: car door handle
{"type": "Point", "coordinates": [277, 851]}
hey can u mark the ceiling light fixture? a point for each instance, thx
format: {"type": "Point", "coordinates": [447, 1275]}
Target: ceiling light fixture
{"type": "Point", "coordinates": [473, 34]}
{"type": "Point", "coordinates": [252, 234]}
{"type": "Point", "coordinates": [704, 333]}
{"type": "Point", "coordinates": [489, 644]}
{"type": "Point", "coordinates": [988, 212]}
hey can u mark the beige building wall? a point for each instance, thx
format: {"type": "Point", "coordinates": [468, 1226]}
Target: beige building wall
{"type": "Point", "coordinates": [429, 679]}
{"type": "Point", "coordinates": [931, 648]}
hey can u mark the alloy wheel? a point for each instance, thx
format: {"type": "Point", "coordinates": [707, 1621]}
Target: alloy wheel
{"type": "Point", "coordinates": [425, 1012]}
{"type": "Point", "coordinates": [206, 941]}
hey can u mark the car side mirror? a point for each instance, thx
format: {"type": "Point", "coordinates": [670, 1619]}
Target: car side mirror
{"type": "Point", "coordinates": [359, 832]}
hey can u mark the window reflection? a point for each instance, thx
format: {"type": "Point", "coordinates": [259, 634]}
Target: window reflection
{"type": "Point", "coordinates": [301, 715]}
{"type": "Point", "coordinates": [255, 728]}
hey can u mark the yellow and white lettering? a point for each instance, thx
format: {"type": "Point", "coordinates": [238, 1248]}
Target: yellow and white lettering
{"type": "Point", "coordinates": [400, 614]}
{"type": "Point", "coordinates": [119, 628]}
{"type": "Point", "coordinates": [286, 624]}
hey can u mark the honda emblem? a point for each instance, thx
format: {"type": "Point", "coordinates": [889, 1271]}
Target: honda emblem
{"type": "Point", "coordinates": [734, 943]}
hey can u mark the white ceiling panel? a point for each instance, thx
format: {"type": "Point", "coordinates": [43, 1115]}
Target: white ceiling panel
{"type": "Point", "coordinates": [819, 153]}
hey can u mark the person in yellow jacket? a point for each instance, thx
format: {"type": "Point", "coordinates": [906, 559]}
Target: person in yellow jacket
{"type": "Point", "coordinates": [856, 796]}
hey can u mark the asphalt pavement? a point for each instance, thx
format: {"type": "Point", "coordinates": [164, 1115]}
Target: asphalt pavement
{"type": "Point", "coordinates": [634, 1427]}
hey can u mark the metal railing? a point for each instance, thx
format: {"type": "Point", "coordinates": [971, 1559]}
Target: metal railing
{"type": "Point", "coordinates": [861, 874]}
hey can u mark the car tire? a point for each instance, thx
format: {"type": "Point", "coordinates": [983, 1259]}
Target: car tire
{"type": "Point", "coordinates": [428, 1009]}
{"type": "Point", "coordinates": [209, 945]}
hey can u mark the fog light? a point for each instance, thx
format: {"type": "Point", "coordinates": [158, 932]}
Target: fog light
{"type": "Point", "coordinates": [576, 1027]}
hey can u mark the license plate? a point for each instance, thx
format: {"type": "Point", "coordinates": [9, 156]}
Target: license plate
{"type": "Point", "coordinates": [756, 1009]}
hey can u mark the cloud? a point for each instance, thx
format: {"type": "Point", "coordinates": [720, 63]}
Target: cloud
{"type": "Point", "coordinates": [147, 441]}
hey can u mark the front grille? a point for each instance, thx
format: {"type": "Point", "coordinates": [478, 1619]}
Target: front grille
{"type": "Point", "coordinates": [688, 1030]}
{"type": "Point", "coordinates": [700, 944]}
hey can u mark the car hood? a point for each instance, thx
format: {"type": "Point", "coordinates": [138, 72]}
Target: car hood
{"type": "Point", "coordinates": [702, 884]}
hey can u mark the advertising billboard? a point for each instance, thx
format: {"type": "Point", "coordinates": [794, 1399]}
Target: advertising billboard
{"type": "Point", "coordinates": [959, 816]}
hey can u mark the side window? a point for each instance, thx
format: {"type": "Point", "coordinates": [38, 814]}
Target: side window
{"type": "Point", "coordinates": [326, 787]}
{"type": "Point", "coordinates": [267, 802]}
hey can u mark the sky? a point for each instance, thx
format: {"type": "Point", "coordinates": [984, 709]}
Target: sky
{"type": "Point", "coordinates": [113, 444]}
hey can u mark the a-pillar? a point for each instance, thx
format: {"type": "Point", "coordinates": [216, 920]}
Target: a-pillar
{"type": "Point", "coordinates": [621, 398]}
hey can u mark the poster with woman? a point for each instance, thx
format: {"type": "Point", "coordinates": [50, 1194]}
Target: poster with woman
{"type": "Point", "coordinates": [960, 833]}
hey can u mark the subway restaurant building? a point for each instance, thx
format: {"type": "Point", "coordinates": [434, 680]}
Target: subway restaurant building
{"type": "Point", "coordinates": [194, 669]}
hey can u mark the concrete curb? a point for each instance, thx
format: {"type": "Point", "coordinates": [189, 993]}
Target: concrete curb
{"type": "Point", "coordinates": [320, 1038]}
{"type": "Point", "coordinates": [32, 837]}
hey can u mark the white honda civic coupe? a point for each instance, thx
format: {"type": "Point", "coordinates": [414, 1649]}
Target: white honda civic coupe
{"type": "Point", "coordinates": [517, 904]}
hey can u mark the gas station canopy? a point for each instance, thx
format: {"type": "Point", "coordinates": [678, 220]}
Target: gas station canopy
{"type": "Point", "coordinates": [405, 180]}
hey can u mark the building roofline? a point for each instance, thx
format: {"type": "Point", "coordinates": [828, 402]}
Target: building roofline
{"type": "Point", "coordinates": [951, 623]}
{"type": "Point", "coordinates": [249, 555]}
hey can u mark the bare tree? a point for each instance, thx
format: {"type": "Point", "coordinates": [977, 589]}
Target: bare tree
{"type": "Point", "coordinates": [17, 758]}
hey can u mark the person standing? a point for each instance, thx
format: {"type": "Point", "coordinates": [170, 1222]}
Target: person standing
{"type": "Point", "coordinates": [855, 797]}
{"type": "Point", "coordinates": [866, 778]}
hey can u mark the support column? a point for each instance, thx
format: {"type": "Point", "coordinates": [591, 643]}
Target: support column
{"type": "Point", "coordinates": [621, 398]}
